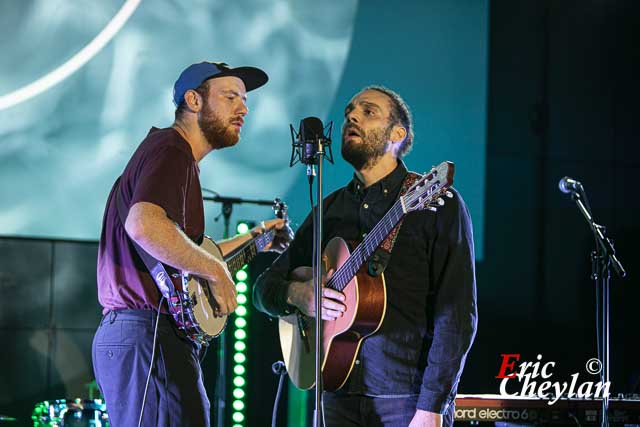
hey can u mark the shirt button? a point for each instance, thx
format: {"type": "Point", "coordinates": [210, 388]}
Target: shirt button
{"type": "Point", "coordinates": [366, 206]}
{"type": "Point", "coordinates": [357, 361]}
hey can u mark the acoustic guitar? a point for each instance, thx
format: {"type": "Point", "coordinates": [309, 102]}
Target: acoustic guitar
{"type": "Point", "coordinates": [365, 294]}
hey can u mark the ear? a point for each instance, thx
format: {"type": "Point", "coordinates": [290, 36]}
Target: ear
{"type": "Point", "coordinates": [398, 134]}
{"type": "Point", "coordinates": [193, 100]}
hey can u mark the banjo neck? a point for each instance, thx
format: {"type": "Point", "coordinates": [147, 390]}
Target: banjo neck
{"type": "Point", "coordinates": [242, 255]}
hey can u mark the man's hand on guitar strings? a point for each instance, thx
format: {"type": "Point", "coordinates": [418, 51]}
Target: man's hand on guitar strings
{"type": "Point", "coordinates": [283, 234]}
{"type": "Point", "coordinates": [301, 295]}
{"type": "Point", "coordinates": [223, 290]}
{"type": "Point", "coordinates": [282, 239]}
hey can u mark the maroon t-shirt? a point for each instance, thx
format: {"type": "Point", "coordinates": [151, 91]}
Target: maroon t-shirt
{"type": "Point", "coordinates": [164, 172]}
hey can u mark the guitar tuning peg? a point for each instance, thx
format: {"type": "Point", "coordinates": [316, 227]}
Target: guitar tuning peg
{"type": "Point", "coordinates": [440, 201]}
{"type": "Point", "coordinates": [449, 194]}
{"type": "Point", "coordinates": [431, 208]}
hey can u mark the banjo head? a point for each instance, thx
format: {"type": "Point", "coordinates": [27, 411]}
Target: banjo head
{"type": "Point", "coordinates": [202, 307]}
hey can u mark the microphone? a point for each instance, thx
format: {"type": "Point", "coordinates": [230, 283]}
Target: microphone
{"type": "Point", "coordinates": [569, 185]}
{"type": "Point", "coordinates": [305, 143]}
{"type": "Point", "coordinates": [311, 130]}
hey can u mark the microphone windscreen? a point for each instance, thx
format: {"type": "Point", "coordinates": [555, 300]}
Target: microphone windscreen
{"type": "Point", "coordinates": [311, 128]}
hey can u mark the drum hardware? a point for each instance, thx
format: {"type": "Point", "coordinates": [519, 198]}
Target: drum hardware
{"type": "Point", "coordinates": [70, 413]}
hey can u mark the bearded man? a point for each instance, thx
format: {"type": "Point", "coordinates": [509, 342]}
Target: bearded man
{"type": "Point", "coordinates": [407, 372]}
{"type": "Point", "coordinates": [147, 369]}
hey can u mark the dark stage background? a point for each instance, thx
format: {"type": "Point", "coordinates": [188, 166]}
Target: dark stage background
{"type": "Point", "coordinates": [563, 97]}
{"type": "Point", "coordinates": [563, 100]}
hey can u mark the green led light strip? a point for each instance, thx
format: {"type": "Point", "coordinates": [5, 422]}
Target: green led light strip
{"type": "Point", "coordinates": [239, 388]}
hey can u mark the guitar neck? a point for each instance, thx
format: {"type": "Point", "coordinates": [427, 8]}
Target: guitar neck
{"type": "Point", "coordinates": [365, 249]}
{"type": "Point", "coordinates": [424, 193]}
{"type": "Point", "coordinates": [246, 252]}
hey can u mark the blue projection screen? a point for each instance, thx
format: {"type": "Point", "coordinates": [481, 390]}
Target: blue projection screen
{"type": "Point", "coordinates": [81, 83]}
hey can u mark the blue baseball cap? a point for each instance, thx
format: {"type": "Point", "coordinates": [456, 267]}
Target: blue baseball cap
{"type": "Point", "coordinates": [195, 74]}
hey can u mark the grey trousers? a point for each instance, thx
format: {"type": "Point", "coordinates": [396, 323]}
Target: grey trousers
{"type": "Point", "coordinates": [122, 348]}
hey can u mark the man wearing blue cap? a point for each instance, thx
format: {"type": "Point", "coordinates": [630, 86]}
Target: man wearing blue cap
{"type": "Point", "coordinates": [147, 369]}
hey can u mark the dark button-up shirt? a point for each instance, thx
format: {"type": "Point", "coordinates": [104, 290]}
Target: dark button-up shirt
{"type": "Point", "coordinates": [431, 314]}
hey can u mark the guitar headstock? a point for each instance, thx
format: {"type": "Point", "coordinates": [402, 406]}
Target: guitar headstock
{"type": "Point", "coordinates": [428, 191]}
{"type": "Point", "coordinates": [280, 208]}
{"type": "Point", "coordinates": [280, 242]}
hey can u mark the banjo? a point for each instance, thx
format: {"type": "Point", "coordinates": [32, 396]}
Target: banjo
{"type": "Point", "coordinates": [193, 306]}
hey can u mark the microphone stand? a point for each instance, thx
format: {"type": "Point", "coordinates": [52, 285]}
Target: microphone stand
{"type": "Point", "coordinates": [227, 207]}
{"type": "Point", "coordinates": [317, 284]}
{"type": "Point", "coordinates": [221, 385]}
{"type": "Point", "coordinates": [601, 260]}
{"type": "Point", "coordinates": [308, 147]}
{"type": "Point", "coordinates": [316, 267]}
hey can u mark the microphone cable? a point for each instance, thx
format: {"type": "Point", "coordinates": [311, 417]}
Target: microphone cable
{"type": "Point", "coordinates": [278, 368]}
{"type": "Point", "coordinates": [153, 355]}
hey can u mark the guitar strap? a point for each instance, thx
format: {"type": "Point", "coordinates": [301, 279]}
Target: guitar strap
{"type": "Point", "coordinates": [155, 267]}
{"type": "Point", "coordinates": [380, 258]}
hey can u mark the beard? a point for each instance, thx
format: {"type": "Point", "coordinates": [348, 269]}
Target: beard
{"type": "Point", "coordinates": [216, 132]}
{"type": "Point", "coordinates": [372, 145]}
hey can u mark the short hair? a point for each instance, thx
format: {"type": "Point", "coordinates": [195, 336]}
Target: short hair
{"type": "Point", "coordinates": [400, 114]}
{"type": "Point", "coordinates": [202, 90]}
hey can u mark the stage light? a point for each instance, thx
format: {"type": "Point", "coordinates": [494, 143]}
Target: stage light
{"type": "Point", "coordinates": [239, 336]}
{"type": "Point", "coordinates": [242, 287]}
{"type": "Point", "coordinates": [243, 226]}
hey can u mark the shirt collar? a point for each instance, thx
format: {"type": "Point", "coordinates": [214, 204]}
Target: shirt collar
{"type": "Point", "coordinates": [387, 185]}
